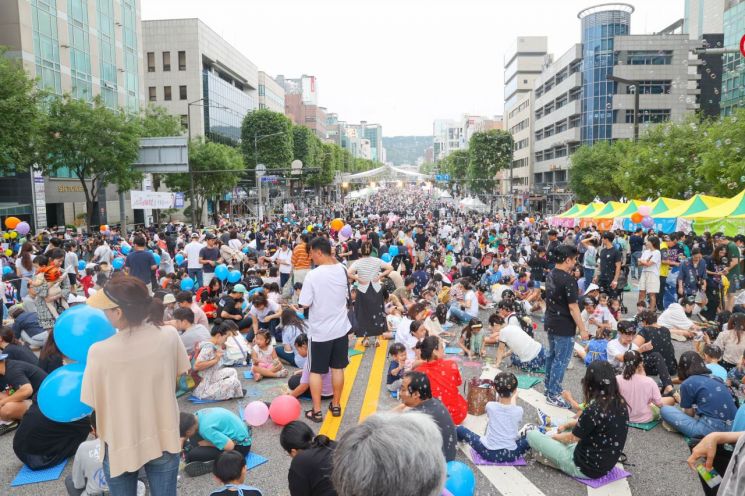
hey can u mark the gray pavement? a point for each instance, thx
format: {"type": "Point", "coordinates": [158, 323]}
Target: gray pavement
{"type": "Point", "coordinates": [655, 458]}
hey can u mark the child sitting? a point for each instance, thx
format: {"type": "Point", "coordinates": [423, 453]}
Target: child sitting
{"type": "Point", "coordinates": [264, 358]}
{"type": "Point", "coordinates": [502, 442]}
{"type": "Point", "coordinates": [712, 354]}
{"type": "Point", "coordinates": [736, 375]}
{"type": "Point", "coordinates": [640, 392]}
{"type": "Point", "coordinates": [472, 339]}
{"type": "Point", "coordinates": [596, 348]}
{"type": "Point", "coordinates": [230, 470]}
{"type": "Point", "coordinates": [396, 368]}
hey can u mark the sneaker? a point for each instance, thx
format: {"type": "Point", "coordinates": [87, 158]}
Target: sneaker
{"type": "Point", "coordinates": [545, 419]}
{"type": "Point", "coordinates": [195, 469]}
{"type": "Point", "coordinates": [8, 427]}
{"type": "Point", "coordinates": [527, 428]}
{"type": "Point", "coordinates": [558, 401]}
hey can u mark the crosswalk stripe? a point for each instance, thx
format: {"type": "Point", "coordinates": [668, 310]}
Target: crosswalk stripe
{"type": "Point", "coordinates": [331, 424]}
{"type": "Point", "coordinates": [375, 381]}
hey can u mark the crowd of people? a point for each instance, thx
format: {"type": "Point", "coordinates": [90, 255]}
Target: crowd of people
{"type": "Point", "coordinates": [286, 298]}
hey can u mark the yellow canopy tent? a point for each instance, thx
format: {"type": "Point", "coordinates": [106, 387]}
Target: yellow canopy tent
{"type": "Point", "coordinates": [603, 218]}
{"type": "Point", "coordinates": [727, 217]}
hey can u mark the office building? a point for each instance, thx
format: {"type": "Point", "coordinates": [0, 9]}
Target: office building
{"type": "Point", "coordinates": [85, 49]}
{"type": "Point", "coordinates": [448, 137]}
{"type": "Point", "coordinates": [473, 124]}
{"type": "Point", "coordinates": [271, 94]}
{"type": "Point", "coordinates": [301, 103]}
{"type": "Point", "coordinates": [200, 77]}
{"type": "Point", "coordinates": [733, 70]}
{"type": "Point", "coordinates": [703, 17]}
{"type": "Point", "coordinates": [374, 133]}
{"type": "Point", "coordinates": [523, 63]}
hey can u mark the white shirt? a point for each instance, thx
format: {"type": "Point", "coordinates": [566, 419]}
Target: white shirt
{"type": "Point", "coordinates": [522, 345]}
{"type": "Point", "coordinates": [192, 254]}
{"type": "Point", "coordinates": [615, 348]}
{"type": "Point", "coordinates": [102, 254]}
{"type": "Point", "coordinates": [325, 292]}
{"type": "Point", "coordinates": [235, 244]}
{"type": "Point", "coordinates": [674, 317]}
{"type": "Point", "coordinates": [283, 256]}
{"type": "Point", "coordinates": [654, 256]}
{"type": "Point", "coordinates": [473, 301]}
{"type": "Point", "coordinates": [404, 336]}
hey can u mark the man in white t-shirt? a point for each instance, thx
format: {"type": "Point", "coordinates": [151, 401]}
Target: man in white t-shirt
{"type": "Point", "coordinates": [325, 292]}
{"type": "Point", "coordinates": [624, 342]}
{"type": "Point", "coordinates": [102, 253]}
{"type": "Point", "coordinates": [194, 267]}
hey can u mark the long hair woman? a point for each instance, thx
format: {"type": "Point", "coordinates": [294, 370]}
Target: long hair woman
{"type": "Point", "coordinates": [25, 267]}
{"type": "Point", "coordinates": [311, 465]}
{"type": "Point", "coordinates": [370, 302]}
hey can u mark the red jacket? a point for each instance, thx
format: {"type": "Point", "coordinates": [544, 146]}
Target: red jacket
{"type": "Point", "coordinates": [444, 379]}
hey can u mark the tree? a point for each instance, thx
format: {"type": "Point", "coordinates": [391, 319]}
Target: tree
{"type": "Point", "coordinates": [456, 165]}
{"type": "Point", "coordinates": [20, 115]}
{"type": "Point", "coordinates": [594, 170]}
{"type": "Point", "coordinates": [305, 145]}
{"type": "Point", "coordinates": [270, 134]}
{"type": "Point", "coordinates": [488, 153]}
{"type": "Point", "coordinates": [216, 169]}
{"type": "Point", "coordinates": [721, 161]}
{"type": "Point", "coordinates": [157, 122]}
{"type": "Point", "coordinates": [98, 145]}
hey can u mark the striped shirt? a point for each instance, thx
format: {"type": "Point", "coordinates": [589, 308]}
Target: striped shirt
{"type": "Point", "coordinates": [300, 257]}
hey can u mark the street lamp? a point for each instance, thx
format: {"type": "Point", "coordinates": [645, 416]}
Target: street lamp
{"type": "Point", "coordinates": [635, 84]}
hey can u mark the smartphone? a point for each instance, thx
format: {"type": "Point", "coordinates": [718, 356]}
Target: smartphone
{"type": "Point", "coordinates": [710, 477]}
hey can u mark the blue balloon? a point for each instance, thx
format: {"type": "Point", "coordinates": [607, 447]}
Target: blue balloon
{"type": "Point", "coordinates": [157, 258]}
{"type": "Point", "coordinates": [221, 272]}
{"type": "Point", "coordinates": [59, 394]}
{"type": "Point", "coordinates": [78, 328]}
{"type": "Point", "coordinates": [245, 249]}
{"type": "Point", "coordinates": [300, 315]}
{"type": "Point", "coordinates": [460, 481]}
{"type": "Point", "coordinates": [234, 276]}
{"type": "Point", "coordinates": [187, 284]}
{"type": "Point", "coordinates": [81, 265]}
{"type": "Point", "coordinates": [125, 249]}
{"type": "Point", "coordinates": [393, 250]}
{"type": "Point", "coordinates": [450, 247]}
{"type": "Point", "coordinates": [386, 257]}
{"type": "Point", "coordinates": [117, 263]}
{"type": "Point", "coordinates": [7, 270]}
{"type": "Point", "coordinates": [179, 259]}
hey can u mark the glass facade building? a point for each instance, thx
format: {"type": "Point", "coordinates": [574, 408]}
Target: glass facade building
{"type": "Point", "coordinates": [225, 106]}
{"type": "Point", "coordinates": [46, 44]}
{"type": "Point", "coordinates": [107, 52]}
{"type": "Point", "coordinates": [129, 38]}
{"type": "Point", "coordinates": [599, 25]}
{"type": "Point", "coordinates": [733, 70]}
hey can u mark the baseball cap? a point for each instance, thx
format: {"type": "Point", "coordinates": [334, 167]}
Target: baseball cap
{"type": "Point", "coordinates": [210, 236]}
{"type": "Point", "coordinates": [239, 288]}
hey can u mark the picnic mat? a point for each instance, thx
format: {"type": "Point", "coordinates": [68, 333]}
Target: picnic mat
{"type": "Point", "coordinates": [472, 364]}
{"type": "Point", "coordinates": [527, 381]}
{"type": "Point", "coordinates": [612, 476]}
{"type": "Point", "coordinates": [478, 460]}
{"type": "Point", "coordinates": [645, 426]}
{"type": "Point", "coordinates": [247, 374]}
{"type": "Point", "coordinates": [253, 460]}
{"type": "Point", "coordinates": [452, 350]}
{"type": "Point", "coordinates": [199, 401]}
{"type": "Point", "coordinates": [28, 476]}
{"type": "Point", "coordinates": [352, 352]}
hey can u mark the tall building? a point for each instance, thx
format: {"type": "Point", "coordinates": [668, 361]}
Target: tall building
{"type": "Point", "coordinates": [301, 103]}
{"type": "Point", "coordinates": [703, 17]}
{"type": "Point", "coordinates": [85, 49]}
{"type": "Point", "coordinates": [522, 65]}
{"type": "Point", "coordinates": [198, 76]}
{"type": "Point", "coordinates": [374, 133]}
{"type": "Point", "coordinates": [448, 137]}
{"type": "Point", "coordinates": [733, 70]}
{"type": "Point", "coordinates": [271, 94]}
{"type": "Point", "coordinates": [473, 124]}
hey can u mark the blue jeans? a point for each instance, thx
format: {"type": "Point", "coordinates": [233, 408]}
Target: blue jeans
{"type": "Point", "coordinates": [283, 355]}
{"type": "Point", "coordinates": [636, 269]}
{"type": "Point", "coordinates": [162, 474]}
{"type": "Point", "coordinates": [283, 278]}
{"type": "Point", "coordinates": [496, 456]}
{"type": "Point", "coordinates": [588, 273]}
{"type": "Point", "coordinates": [538, 362]}
{"type": "Point", "coordinates": [459, 314]}
{"type": "Point", "coordinates": [693, 427]}
{"type": "Point", "coordinates": [196, 274]}
{"type": "Point", "coordinates": [559, 353]}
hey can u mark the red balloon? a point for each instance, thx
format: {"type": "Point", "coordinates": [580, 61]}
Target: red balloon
{"type": "Point", "coordinates": [284, 409]}
{"type": "Point", "coordinates": [636, 217]}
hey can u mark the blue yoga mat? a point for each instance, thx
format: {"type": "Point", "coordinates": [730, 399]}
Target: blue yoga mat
{"type": "Point", "coordinates": [452, 350]}
{"type": "Point", "coordinates": [254, 460]}
{"type": "Point", "coordinates": [28, 476]}
{"type": "Point", "coordinates": [247, 374]}
{"type": "Point", "coordinates": [198, 401]}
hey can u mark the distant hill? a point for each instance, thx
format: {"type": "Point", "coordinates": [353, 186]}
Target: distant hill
{"type": "Point", "coordinates": [405, 149]}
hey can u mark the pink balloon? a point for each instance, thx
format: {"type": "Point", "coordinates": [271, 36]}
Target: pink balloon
{"type": "Point", "coordinates": [256, 413]}
{"type": "Point", "coordinates": [645, 210]}
{"type": "Point", "coordinates": [284, 409]}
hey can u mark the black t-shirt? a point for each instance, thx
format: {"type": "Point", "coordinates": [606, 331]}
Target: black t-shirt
{"type": "Point", "coordinates": [19, 373]}
{"type": "Point", "coordinates": [228, 492]}
{"type": "Point", "coordinates": [551, 250]}
{"type": "Point", "coordinates": [354, 249]}
{"type": "Point", "coordinates": [50, 363]}
{"type": "Point", "coordinates": [140, 263]}
{"type": "Point", "coordinates": [608, 259]}
{"type": "Point", "coordinates": [435, 409]}
{"type": "Point", "coordinates": [21, 353]}
{"type": "Point", "coordinates": [561, 291]}
{"type": "Point", "coordinates": [602, 436]}
{"type": "Point", "coordinates": [253, 281]}
{"type": "Point", "coordinates": [421, 241]}
{"type": "Point", "coordinates": [661, 342]}
{"type": "Point", "coordinates": [310, 472]}
{"type": "Point", "coordinates": [209, 254]}
{"type": "Point", "coordinates": [228, 304]}
{"type": "Point", "coordinates": [259, 241]}
{"type": "Point", "coordinates": [538, 265]}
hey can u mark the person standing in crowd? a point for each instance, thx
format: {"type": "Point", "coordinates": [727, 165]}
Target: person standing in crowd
{"type": "Point", "coordinates": [650, 261]}
{"type": "Point", "coordinates": [636, 244]}
{"type": "Point", "coordinates": [209, 257]}
{"type": "Point", "coordinates": [609, 266]}
{"type": "Point", "coordinates": [283, 257]}
{"type": "Point", "coordinates": [193, 265]}
{"type": "Point", "coordinates": [562, 321]}
{"type": "Point", "coordinates": [301, 259]}
{"type": "Point", "coordinates": [369, 304]}
{"type": "Point", "coordinates": [141, 263]}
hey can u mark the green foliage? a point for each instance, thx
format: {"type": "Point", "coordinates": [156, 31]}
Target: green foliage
{"type": "Point", "coordinates": [721, 162]}
{"type": "Point", "coordinates": [216, 169]}
{"type": "Point", "coordinates": [275, 151]}
{"type": "Point", "coordinates": [20, 115]}
{"type": "Point", "coordinates": [157, 122]}
{"type": "Point", "coordinates": [594, 170]}
{"type": "Point", "coordinates": [97, 144]}
{"type": "Point", "coordinates": [488, 153]}
{"type": "Point", "coordinates": [428, 168]}
{"type": "Point", "coordinates": [456, 164]}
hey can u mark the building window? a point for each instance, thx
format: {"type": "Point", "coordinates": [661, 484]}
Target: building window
{"type": "Point", "coordinates": [184, 121]}
{"type": "Point", "coordinates": [537, 178]}
{"type": "Point", "coordinates": [649, 57]}
{"type": "Point", "coordinates": [182, 92]}
{"type": "Point", "coordinates": [150, 61]}
{"type": "Point", "coordinates": [152, 94]}
{"type": "Point", "coordinates": [181, 60]}
{"type": "Point", "coordinates": [561, 176]}
{"type": "Point", "coordinates": [167, 93]}
{"type": "Point", "coordinates": [649, 116]}
{"type": "Point", "coordinates": [166, 61]}
{"type": "Point", "coordinates": [651, 87]}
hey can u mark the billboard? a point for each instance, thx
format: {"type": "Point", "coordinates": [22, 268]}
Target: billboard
{"type": "Point", "coordinates": [156, 200]}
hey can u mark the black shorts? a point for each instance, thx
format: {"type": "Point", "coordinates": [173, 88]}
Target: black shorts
{"type": "Point", "coordinates": [73, 279]}
{"type": "Point", "coordinates": [323, 355]}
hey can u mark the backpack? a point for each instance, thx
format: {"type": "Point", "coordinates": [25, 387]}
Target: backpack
{"type": "Point", "coordinates": [190, 380]}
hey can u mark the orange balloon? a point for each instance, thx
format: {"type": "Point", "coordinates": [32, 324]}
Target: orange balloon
{"type": "Point", "coordinates": [636, 217]}
{"type": "Point", "coordinates": [337, 224]}
{"type": "Point", "coordinates": [12, 222]}
{"type": "Point", "coordinates": [104, 228]}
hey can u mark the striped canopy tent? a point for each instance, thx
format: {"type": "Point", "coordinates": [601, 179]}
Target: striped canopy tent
{"type": "Point", "coordinates": [631, 209]}
{"type": "Point", "coordinates": [658, 212]}
{"type": "Point", "coordinates": [587, 212]}
{"type": "Point", "coordinates": [577, 207]}
{"type": "Point", "coordinates": [566, 219]}
{"type": "Point", "coordinates": [727, 217]}
{"type": "Point", "coordinates": [691, 206]}
{"type": "Point", "coordinates": [603, 218]}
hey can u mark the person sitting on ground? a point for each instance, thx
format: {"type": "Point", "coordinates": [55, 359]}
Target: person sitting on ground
{"type": "Point", "coordinates": [736, 375]}
{"type": "Point", "coordinates": [217, 382]}
{"type": "Point", "coordinates": [595, 318]}
{"type": "Point", "coordinates": [676, 318]}
{"type": "Point", "coordinates": [471, 339]}
{"type": "Point", "coordinates": [525, 352]}
{"type": "Point", "coordinates": [391, 444]}
{"type": "Point", "coordinates": [596, 348]}
{"type": "Point", "coordinates": [660, 360]}
{"type": "Point", "coordinates": [21, 381]}
{"type": "Point", "coordinates": [406, 294]}
{"type": "Point", "coordinates": [292, 327]}
{"type": "Point", "coordinates": [299, 381]}
{"type": "Point", "coordinates": [396, 368]}
{"type": "Point", "coordinates": [444, 377]}
{"type": "Point", "coordinates": [502, 441]}
{"type": "Point", "coordinates": [191, 333]}
{"type": "Point", "coordinates": [312, 460]}
{"type": "Point", "coordinates": [640, 392]}
{"type": "Point", "coordinates": [184, 299]}
{"type": "Point", "coordinates": [714, 407]}
{"type": "Point", "coordinates": [623, 342]}
{"type": "Point", "coordinates": [265, 315]}
{"type": "Point", "coordinates": [264, 357]}
{"type": "Point", "coordinates": [209, 432]}
{"type": "Point", "coordinates": [596, 440]}
{"type": "Point", "coordinates": [712, 355]}
{"type": "Point", "coordinates": [230, 470]}
{"type": "Point", "coordinates": [731, 341]}
{"type": "Point", "coordinates": [26, 326]}
{"type": "Point", "coordinates": [15, 349]}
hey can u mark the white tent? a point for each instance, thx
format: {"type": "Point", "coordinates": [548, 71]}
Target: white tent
{"type": "Point", "coordinates": [473, 204]}
{"type": "Point", "coordinates": [441, 193]}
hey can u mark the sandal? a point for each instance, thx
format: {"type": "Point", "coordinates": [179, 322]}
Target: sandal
{"type": "Point", "coordinates": [335, 410]}
{"type": "Point", "coordinates": [376, 343]}
{"type": "Point", "coordinates": [316, 417]}
{"type": "Point", "coordinates": [365, 342]}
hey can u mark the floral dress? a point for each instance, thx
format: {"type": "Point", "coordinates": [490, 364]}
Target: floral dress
{"type": "Point", "coordinates": [45, 314]}
{"type": "Point", "coordinates": [218, 383]}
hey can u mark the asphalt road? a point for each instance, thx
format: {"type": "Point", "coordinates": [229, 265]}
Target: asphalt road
{"type": "Point", "coordinates": [656, 458]}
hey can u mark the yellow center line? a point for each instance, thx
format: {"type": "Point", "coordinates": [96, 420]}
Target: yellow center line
{"type": "Point", "coordinates": [331, 424]}
{"type": "Point", "coordinates": [372, 394]}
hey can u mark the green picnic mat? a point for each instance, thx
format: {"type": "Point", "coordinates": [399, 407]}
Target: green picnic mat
{"type": "Point", "coordinates": [646, 426]}
{"type": "Point", "coordinates": [527, 381]}
{"type": "Point", "coordinates": [353, 352]}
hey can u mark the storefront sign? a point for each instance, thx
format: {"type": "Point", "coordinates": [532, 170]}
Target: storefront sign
{"type": "Point", "coordinates": [154, 199]}
{"type": "Point", "coordinates": [40, 201]}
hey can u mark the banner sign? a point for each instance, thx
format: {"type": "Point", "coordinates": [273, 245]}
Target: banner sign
{"type": "Point", "coordinates": [154, 199]}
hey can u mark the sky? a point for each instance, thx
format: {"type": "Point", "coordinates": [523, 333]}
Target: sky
{"type": "Point", "coordinates": [398, 63]}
